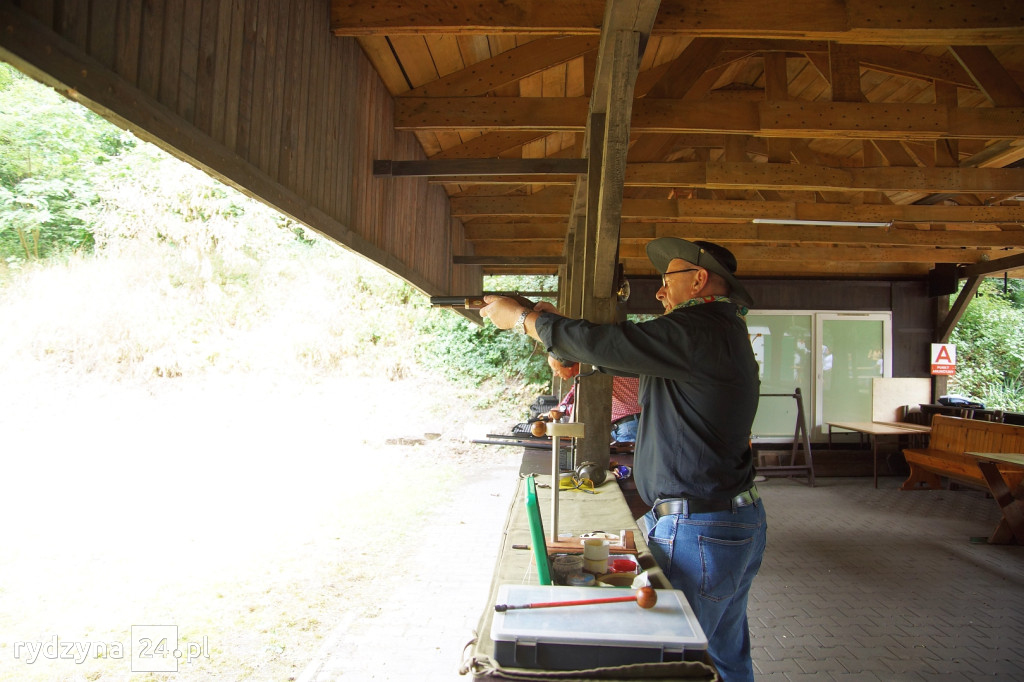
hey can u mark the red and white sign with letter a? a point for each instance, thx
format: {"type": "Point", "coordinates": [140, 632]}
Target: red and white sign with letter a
{"type": "Point", "coordinates": [944, 359]}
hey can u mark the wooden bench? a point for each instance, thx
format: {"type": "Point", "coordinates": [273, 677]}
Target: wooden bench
{"type": "Point", "coordinates": [950, 438]}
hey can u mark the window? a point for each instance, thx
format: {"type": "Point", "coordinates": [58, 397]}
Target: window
{"type": "Point", "coordinates": [830, 357]}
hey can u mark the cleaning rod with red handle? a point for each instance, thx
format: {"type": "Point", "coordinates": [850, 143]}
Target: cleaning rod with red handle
{"type": "Point", "coordinates": [645, 598]}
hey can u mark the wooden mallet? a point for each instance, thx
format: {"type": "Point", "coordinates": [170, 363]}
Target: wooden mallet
{"type": "Point", "coordinates": [645, 598]}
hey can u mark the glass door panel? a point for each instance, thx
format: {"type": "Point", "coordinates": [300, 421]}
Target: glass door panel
{"type": "Point", "coordinates": [853, 349]}
{"type": "Point", "coordinates": [782, 345]}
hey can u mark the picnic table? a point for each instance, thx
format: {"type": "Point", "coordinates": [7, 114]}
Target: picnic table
{"type": "Point", "coordinates": [1011, 502]}
{"type": "Point", "coordinates": [875, 429]}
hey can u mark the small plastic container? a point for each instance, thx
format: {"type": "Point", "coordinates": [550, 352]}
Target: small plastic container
{"type": "Point", "coordinates": [622, 566]}
{"type": "Point", "coordinates": [595, 555]}
{"type": "Point", "coordinates": [581, 580]}
{"type": "Point", "coordinates": [565, 565]}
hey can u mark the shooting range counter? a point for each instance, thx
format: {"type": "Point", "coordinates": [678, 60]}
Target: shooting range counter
{"type": "Point", "coordinates": [579, 513]}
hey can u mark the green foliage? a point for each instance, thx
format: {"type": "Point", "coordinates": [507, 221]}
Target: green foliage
{"type": "Point", "coordinates": [523, 283]}
{"type": "Point", "coordinates": [474, 353]}
{"type": "Point", "coordinates": [989, 342]}
{"type": "Point", "coordinates": [165, 272]}
{"type": "Point", "coordinates": [465, 351]}
{"type": "Point", "coordinates": [51, 153]}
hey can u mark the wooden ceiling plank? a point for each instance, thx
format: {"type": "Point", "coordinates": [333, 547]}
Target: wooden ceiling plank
{"type": "Point", "coordinates": [445, 52]}
{"type": "Point", "coordinates": [415, 57]}
{"type": "Point", "coordinates": [553, 81]}
{"type": "Point", "coordinates": [989, 74]}
{"type": "Point", "coordinates": [489, 145]}
{"type": "Point", "coordinates": [507, 67]}
{"type": "Point", "coordinates": [378, 50]}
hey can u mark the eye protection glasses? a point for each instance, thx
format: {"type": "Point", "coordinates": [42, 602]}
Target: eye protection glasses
{"type": "Point", "coordinates": [674, 272]}
{"type": "Point", "coordinates": [575, 483]}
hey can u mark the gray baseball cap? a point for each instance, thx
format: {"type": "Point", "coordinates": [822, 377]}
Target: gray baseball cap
{"type": "Point", "coordinates": [711, 257]}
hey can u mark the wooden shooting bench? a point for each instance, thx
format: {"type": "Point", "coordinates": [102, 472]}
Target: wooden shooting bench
{"type": "Point", "coordinates": [578, 513]}
{"type": "Point", "coordinates": [976, 453]}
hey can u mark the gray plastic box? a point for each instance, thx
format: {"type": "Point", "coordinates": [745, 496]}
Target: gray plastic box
{"type": "Point", "coordinates": [592, 635]}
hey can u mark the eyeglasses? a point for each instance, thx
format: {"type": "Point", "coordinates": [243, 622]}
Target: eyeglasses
{"type": "Point", "coordinates": [575, 483]}
{"type": "Point", "coordinates": [673, 272]}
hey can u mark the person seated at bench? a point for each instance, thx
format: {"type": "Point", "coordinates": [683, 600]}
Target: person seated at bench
{"type": "Point", "coordinates": [625, 408]}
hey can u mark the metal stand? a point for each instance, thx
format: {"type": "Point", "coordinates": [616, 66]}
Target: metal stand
{"type": "Point", "coordinates": [799, 436]}
{"type": "Point", "coordinates": [557, 431]}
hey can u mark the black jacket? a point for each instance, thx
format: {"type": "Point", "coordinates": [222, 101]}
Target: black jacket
{"type": "Point", "coordinates": [698, 393]}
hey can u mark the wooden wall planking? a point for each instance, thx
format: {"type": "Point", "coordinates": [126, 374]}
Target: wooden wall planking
{"type": "Point", "coordinates": [40, 10]}
{"type": "Point", "coordinates": [192, 34]}
{"type": "Point", "coordinates": [210, 31]}
{"type": "Point", "coordinates": [103, 33]}
{"type": "Point", "coordinates": [173, 30]}
{"type": "Point", "coordinates": [150, 45]}
{"type": "Point", "coordinates": [126, 42]}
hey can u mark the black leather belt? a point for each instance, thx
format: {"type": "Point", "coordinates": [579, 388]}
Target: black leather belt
{"type": "Point", "coordinates": [625, 420]}
{"type": "Point", "coordinates": [698, 506]}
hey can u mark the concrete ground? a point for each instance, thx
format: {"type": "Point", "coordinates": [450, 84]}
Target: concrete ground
{"type": "Point", "coordinates": [857, 584]}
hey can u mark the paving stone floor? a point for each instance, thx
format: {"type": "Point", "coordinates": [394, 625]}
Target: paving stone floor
{"type": "Point", "coordinates": [866, 584]}
{"type": "Point", "coordinates": [857, 584]}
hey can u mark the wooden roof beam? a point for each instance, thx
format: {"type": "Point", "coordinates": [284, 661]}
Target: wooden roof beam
{"type": "Point", "coordinates": [982, 22]}
{"type": "Point", "coordinates": [728, 175]}
{"type": "Point", "coordinates": [530, 253]}
{"type": "Point", "coordinates": [797, 119]}
{"type": "Point", "coordinates": [500, 233]}
{"type": "Point", "coordinates": [681, 210]}
{"type": "Point", "coordinates": [507, 67]}
{"type": "Point", "coordinates": [989, 74]}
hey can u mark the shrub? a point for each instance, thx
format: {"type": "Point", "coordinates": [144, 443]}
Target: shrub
{"type": "Point", "coordinates": [990, 348]}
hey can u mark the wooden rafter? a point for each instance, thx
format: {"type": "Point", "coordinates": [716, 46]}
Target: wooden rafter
{"type": "Point", "coordinates": [768, 119]}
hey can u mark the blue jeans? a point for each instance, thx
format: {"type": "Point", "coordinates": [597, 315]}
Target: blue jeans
{"type": "Point", "coordinates": [625, 432]}
{"type": "Point", "coordinates": [713, 558]}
